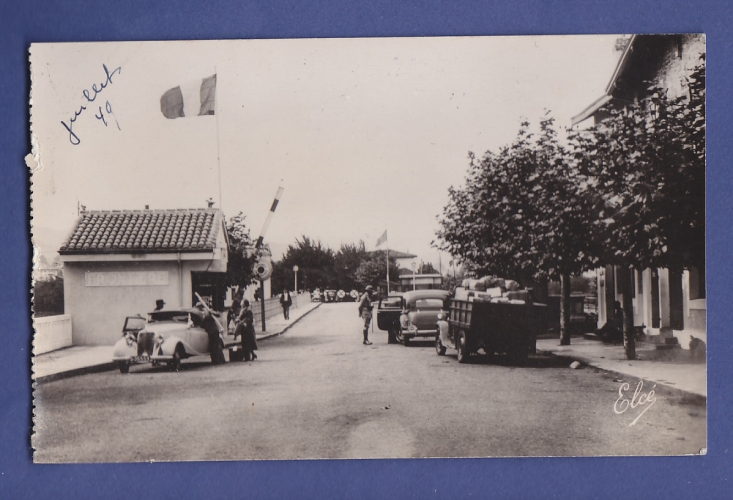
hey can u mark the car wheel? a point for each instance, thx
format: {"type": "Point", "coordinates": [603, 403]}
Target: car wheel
{"type": "Point", "coordinates": [462, 347]}
{"type": "Point", "coordinates": [406, 341]}
{"type": "Point", "coordinates": [124, 366]}
{"type": "Point", "coordinates": [398, 336]}
{"type": "Point", "coordinates": [175, 363]}
{"type": "Point", "coordinates": [439, 347]}
{"type": "Point", "coordinates": [392, 337]}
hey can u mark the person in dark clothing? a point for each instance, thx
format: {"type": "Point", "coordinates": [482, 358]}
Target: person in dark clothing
{"type": "Point", "coordinates": [365, 311]}
{"type": "Point", "coordinates": [246, 328]}
{"type": "Point", "coordinates": [159, 304]}
{"type": "Point", "coordinates": [212, 327]}
{"type": "Point", "coordinates": [286, 301]}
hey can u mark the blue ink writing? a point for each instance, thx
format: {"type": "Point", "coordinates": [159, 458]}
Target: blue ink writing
{"type": "Point", "coordinates": [91, 96]}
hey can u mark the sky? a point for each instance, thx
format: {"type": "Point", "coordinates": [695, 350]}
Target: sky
{"type": "Point", "coordinates": [364, 135]}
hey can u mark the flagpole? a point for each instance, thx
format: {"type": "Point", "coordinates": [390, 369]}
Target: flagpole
{"type": "Point", "coordinates": [218, 155]}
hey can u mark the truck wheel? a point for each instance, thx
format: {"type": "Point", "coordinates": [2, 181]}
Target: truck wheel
{"type": "Point", "coordinates": [462, 347]}
{"type": "Point", "coordinates": [124, 366]}
{"type": "Point", "coordinates": [439, 347]}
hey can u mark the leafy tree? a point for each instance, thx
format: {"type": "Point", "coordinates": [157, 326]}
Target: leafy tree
{"type": "Point", "coordinates": [315, 266]}
{"type": "Point", "coordinates": [346, 262]}
{"type": "Point", "coordinates": [428, 268]}
{"type": "Point", "coordinates": [373, 269]}
{"type": "Point", "coordinates": [242, 254]}
{"type": "Point", "coordinates": [522, 215]}
{"type": "Point", "coordinates": [646, 162]}
{"type": "Point", "coordinates": [48, 296]}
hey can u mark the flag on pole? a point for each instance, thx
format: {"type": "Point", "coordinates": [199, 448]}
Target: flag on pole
{"type": "Point", "coordinates": [196, 95]}
{"type": "Point", "coordinates": [382, 238]}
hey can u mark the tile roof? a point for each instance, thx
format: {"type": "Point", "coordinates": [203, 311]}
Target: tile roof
{"type": "Point", "coordinates": [144, 231]}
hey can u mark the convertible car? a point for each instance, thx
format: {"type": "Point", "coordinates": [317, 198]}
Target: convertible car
{"type": "Point", "coordinates": [166, 336]}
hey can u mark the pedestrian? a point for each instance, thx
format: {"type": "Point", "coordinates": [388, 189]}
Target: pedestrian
{"type": "Point", "coordinates": [246, 328]}
{"type": "Point", "coordinates": [234, 310]}
{"type": "Point", "coordinates": [365, 311]}
{"type": "Point", "coordinates": [286, 301]}
{"type": "Point", "coordinates": [159, 304]}
{"type": "Point", "coordinates": [213, 330]}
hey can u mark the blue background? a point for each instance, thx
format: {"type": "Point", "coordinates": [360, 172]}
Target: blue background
{"type": "Point", "coordinates": [56, 21]}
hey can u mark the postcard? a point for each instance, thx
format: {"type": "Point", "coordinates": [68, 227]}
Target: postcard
{"type": "Point", "coordinates": [368, 248]}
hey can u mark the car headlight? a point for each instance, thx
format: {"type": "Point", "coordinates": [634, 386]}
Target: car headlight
{"type": "Point", "coordinates": [159, 340]}
{"type": "Point", "coordinates": [129, 339]}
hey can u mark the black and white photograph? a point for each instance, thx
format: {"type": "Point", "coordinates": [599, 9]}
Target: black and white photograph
{"type": "Point", "coordinates": [369, 248]}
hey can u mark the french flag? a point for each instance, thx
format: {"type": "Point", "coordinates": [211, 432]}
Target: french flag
{"type": "Point", "coordinates": [183, 101]}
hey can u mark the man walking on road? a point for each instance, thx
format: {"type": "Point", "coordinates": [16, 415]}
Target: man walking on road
{"type": "Point", "coordinates": [286, 301]}
{"type": "Point", "coordinates": [365, 311]}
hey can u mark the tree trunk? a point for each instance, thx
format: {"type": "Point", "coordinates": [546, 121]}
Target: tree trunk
{"type": "Point", "coordinates": [565, 309]}
{"type": "Point", "coordinates": [625, 284]}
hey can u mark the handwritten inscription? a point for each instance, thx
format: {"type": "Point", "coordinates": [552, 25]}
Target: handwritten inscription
{"type": "Point", "coordinates": [638, 399]}
{"type": "Point", "coordinates": [89, 97]}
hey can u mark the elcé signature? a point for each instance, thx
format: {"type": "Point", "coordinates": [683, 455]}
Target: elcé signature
{"type": "Point", "coordinates": [90, 96]}
{"type": "Point", "coordinates": [623, 403]}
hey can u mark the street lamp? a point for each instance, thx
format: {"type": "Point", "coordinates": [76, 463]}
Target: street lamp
{"type": "Point", "coordinates": [295, 270]}
{"type": "Point", "coordinates": [414, 266]}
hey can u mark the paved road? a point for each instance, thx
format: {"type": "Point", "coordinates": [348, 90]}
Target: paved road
{"type": "Point", "coordinates": [317, 392]}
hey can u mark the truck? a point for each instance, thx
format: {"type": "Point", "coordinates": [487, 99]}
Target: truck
{"type": "Point", "coordinates": [496, 325]}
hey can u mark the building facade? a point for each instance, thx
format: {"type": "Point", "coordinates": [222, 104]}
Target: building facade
{"type": "Point", "coordinates": [670, 306]}
{"type": "Point", "coordinates": [119, 263]}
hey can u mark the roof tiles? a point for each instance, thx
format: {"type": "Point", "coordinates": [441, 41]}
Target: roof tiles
{"type": "Point", "coordinates": [143, 231]}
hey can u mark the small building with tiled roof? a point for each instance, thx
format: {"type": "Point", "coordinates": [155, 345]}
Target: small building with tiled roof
{"type": "Point", "coordinates": [119, 263]}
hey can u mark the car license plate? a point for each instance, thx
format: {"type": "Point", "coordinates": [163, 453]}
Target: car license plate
{"type": "Point", "coordinates": [142, 359]}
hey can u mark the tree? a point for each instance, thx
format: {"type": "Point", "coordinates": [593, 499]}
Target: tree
{"type": "Point", "coordinates": [523, 214]}
{"type": "Point", "coordinates": [646, 162]}
{"type": "Point", "coordinates": [346, 262]}
{"type": "Point", "coordinates": [428, 268]}
{"type": "Point", "coordinates": [373, 269]}
{"type": "Point", "coordinates": [242, 254]}
{"type": "Point", "coordinates": [48, 297]}
{"type": "Point", "coordinates": [315, 266]}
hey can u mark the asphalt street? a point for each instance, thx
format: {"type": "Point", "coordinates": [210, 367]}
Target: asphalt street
{"type": "Point", "coordinates": [317, 392]}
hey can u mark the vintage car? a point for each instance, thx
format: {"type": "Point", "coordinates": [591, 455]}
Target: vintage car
{"type": "Point", "coordinates": [389, 311]}
{"type": "Point", "coordinates": [329, 296]}
{"type": "Point", "coordinates": [419, 316]}
{"type": "Point", "coordinates": [166, 336]}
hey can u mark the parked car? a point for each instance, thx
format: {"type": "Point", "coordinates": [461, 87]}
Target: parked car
{"type": "Point", "coordinates": [419, 316]}
{"type": "Point", "coordinates": [166, 337]}
{"type": "Point", "coordinates": [329, 296]}
{"type": "Point", "coordinates": [389, 311]}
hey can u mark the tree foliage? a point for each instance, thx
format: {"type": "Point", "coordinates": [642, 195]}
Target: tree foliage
{"type": "Point", "coordinates": [315, 266]}
{"type": "Point", "coordinates": [522, 212]}
{"type": "Point", "coordinates": [48, 296]}
{"type": "Point", "coordinates": [242, 254]}
{"type": "Point", "coordinates": [647, 165]}
{"type": "Point", "coordinates": [373, 269]}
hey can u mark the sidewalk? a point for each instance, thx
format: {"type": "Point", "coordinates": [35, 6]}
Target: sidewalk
{"type": "Point", "coordinates": [78, 360]}
{"type": "Point", "coordinates": [672, 369]}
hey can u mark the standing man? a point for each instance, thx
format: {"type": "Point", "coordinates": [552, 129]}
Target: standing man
{"type": "Point", "coordinates": [365, 311]}
{"type": "Point", "coordinates": [286, 301]}
{"type": "Point", "coordinates": [211, 325]}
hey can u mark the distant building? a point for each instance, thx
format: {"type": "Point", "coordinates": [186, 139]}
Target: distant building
{"type": "Point", "coordinates": [420, 281]}
{"type": "Point", "coordinates": [118, 263]}
{"type": "Point", "coordinates": [671, 305]}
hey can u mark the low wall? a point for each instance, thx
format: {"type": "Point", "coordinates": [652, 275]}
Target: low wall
{"type": "Point", "coordinates": [52, 332]}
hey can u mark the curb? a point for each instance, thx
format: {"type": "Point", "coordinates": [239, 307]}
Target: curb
{"type": "Point", "coordinates": [689, 397]}
{"type": "Point", "coordinates": [102, 367]}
